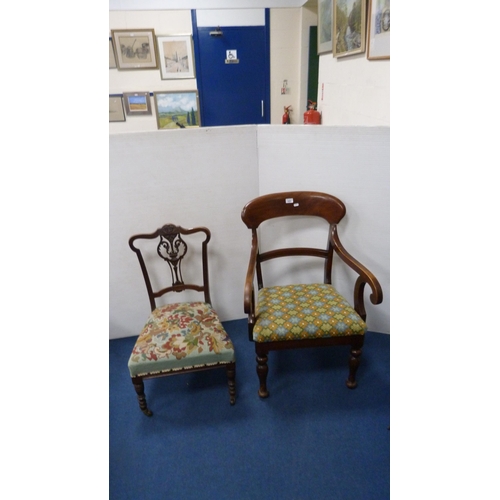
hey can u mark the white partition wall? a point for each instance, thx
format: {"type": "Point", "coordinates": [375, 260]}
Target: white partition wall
{"type": "Point", "coordinates": [351, 163]}
{"type": "Point", "coordinates": [195, 177]}
{"type": "Point", "coordinates": [205, 176]}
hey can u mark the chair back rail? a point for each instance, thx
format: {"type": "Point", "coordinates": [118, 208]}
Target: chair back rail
{"type": "Point", "coordinates": [172, 248]}
{"type": "Point", "coordinates": [288, 203]}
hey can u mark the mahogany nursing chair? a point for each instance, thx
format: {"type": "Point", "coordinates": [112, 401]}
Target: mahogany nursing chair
{"type": "Point", "coordinates": [300, 315]}
{"type": "Point", "coordinates": [178, 337]}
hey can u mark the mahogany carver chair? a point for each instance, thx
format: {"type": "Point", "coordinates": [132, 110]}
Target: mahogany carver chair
{"type": "Point", "coordinates": [178, 337]}
{"type": "Point", "coordinates": [314, 314]}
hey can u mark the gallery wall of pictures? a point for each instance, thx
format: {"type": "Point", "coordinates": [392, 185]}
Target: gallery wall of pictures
{"type": "Point", "coordinates": [172, 56]}
{"type": "Point", "coordinates": [349, 27]}
{"type": "Point", "coordinates": [153, 82]}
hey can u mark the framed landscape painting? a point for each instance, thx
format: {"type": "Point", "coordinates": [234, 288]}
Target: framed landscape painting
{"type": "Point", "coordinates": [349, 27]}
{"type": "Point", "coordinates": [137, 103]}
{"type": "Point", "coordinates": [379, 30]}
{"type": "Point", "coordinates": [177, 109]}
{"type": "Point", "coordinates": [175, 54]}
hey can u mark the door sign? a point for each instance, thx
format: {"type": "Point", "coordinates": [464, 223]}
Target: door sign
{"type": "Point", "coordinates": [232, 57]}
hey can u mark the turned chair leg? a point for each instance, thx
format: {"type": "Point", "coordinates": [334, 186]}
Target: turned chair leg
{"type": "Point", "coordinates": [262, 370]}
{"type": "Point", "coordinates": [139, 389]}
{"type": "Point", "coordinates": [353, 367]}
{"type": "Point", "coordinates": [231, 381]}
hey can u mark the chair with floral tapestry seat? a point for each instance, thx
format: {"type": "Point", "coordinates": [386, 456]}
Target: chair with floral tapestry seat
{"type": "Point", "coordinates": [298, 315]}
{"type": "Point", "coordinates": [178, 337]}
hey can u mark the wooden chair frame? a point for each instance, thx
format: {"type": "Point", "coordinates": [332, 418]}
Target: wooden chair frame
{"type": "Point", "coordinates": [303, 203]}
{"type": "Point", "coordinates": [174, 258]}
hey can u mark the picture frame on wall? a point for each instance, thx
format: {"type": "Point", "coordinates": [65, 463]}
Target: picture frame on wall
{"type": "Point", "coordinates": [177, 109]}
{"type": "Point", "coordinates": [325, 18]}
{"type": "Point", "coordinates": [137, 103]}
{"type": "Point", "coordinates": [135, 49]}
{"type": "Point", "coordinates": [175, 54]}
{"type": "Point", "coordinates": [379, 30]}
{"type": "Point", "coordinates": [349, 27]}
{"type": "Point", "coordinates": [116, 113]}
{"type": "Point", "coordinates": [112, 60]}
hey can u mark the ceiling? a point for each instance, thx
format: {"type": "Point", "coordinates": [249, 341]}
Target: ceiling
{"type": "Point", "coordinates": [201, 4]}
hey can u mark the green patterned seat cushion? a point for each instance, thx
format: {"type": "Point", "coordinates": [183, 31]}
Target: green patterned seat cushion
{"type": "Point", "coordinates": [181, 335]}
{"type": "Point", "coordinates": [296, 312]}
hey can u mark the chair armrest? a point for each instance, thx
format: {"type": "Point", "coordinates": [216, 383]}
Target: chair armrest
{"type": "Point", "coordinates": [248, 297]}
{"type": "Point", "coordinates": [365, 277]}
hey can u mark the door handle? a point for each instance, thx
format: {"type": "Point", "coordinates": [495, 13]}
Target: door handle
{"type": "Point", "coordinates": [262, 108]}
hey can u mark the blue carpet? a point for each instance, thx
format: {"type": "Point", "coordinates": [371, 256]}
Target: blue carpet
{"type": "Point", "coordinates": [313, 438]}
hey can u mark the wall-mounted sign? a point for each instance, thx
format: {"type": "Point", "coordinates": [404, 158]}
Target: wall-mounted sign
{"type": "Point", "coordinates": [232, 57]}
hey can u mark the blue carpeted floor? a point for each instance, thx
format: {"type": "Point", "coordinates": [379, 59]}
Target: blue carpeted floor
{"type": "Point", "coordinates": [313, 438]}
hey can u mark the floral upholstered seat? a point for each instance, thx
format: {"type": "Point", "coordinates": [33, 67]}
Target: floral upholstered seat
{"type": "Point", "coordinates": [179, 336]}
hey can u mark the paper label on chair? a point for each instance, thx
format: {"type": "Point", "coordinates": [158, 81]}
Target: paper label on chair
{"type": "Point", "coordinates": [288, 200]}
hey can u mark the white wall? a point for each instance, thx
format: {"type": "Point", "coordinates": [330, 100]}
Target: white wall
{"type": "Point", "coordinates": [354, 91]}
{"type": "Point", "coordinates": [157, 178]}
{"type": "Point", "coordinates": [289, 30]}
{"type": "Point", "coordinates": [309, 17]}
{"type": "Point", "coordinates": [200, 4]}
{"type": "Point", "coordinates": [285, 61]}
{"type": "Point", "coordinates": [205, 176]}
{"type": "Point", "coordinates": [351, 163]}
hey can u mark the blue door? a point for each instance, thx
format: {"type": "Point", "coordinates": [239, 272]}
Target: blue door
{"type": "Point", "coordinates": [233, 75]}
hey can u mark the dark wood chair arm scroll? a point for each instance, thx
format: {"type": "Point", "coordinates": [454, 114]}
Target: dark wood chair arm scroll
{"type": "Point", "coordinates": [249, 292]}
{"type": "Point", "coordinates": [365, 277]}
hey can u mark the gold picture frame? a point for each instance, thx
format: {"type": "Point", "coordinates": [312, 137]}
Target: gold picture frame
{"type": "Point", "coordinates": [135, 49]}
{"type": "Point", "coordinates": [349, 27]}
{"type": "Point", "coordinates": [177, 109]}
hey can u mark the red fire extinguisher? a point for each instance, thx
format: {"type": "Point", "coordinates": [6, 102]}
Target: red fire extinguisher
{"type": "Point", "coordinates": [312, 116]}
{"type": "Point", "coordinates": [286, 116]}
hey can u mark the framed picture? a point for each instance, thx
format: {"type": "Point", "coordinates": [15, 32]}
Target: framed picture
{"type": "Point", "coordinates": [116, 113]}
{"type": "Point", "coordinates": [325, 26]}
{"type": "Point", "coordinates": [177, 109]}
{"type": "Point", "coordinates": [112, 60]}
{"type": "Point", "coordinates": [379, 30]}
{"type": "Point", "coordinates": [137, 103]}
{"type": "Point", "coordinates": [135, 49]}
{"type": "Point", "coordinates": [349, 27]}
{"type": "Point", "coordinates": [175, 54]}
